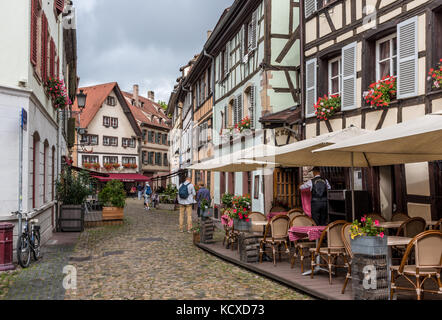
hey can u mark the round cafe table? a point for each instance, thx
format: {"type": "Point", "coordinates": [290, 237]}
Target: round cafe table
{"type": "Point", "coordinates": [313, 233]}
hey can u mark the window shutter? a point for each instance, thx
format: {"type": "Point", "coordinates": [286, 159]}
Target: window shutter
{"type": "Point", "coordinates": [349, 56]}
{"type": "Point", "coordinates": [52, 58]}
{"type": "Point", "coordinates": [34, 18]}
{"type": "Point", "coordinates": [59, 6]}
{"type": "Point", "coordinates": [254, 28]}
{"type": "Point", "coordinates": [239, 108]}
{"type": "Point", "coordinates": [310, 7]}
{"type": "Point", "coordinates": [44, 48]}
{"type": "Point", "coordinates": [227, 59]}
{"type": "Point", "coordinates": [310, 76]}
{"type": "Point", "coordinates": [242, 41]}
{"type": "Point", "coordinates": [235, 113]}
{"type": "Point", "coordinates": [252, 106]}
{"type": "Point", "coordinates": [407, 58]}
{"type": "Point", "coordinates": [226, 122]}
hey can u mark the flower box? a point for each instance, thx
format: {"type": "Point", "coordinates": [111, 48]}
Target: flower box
{"type": "Point", "coordinates": [381, 93]}
{"type": "Point", "coordinates": [435, 76]}
{"type": "Point", "coordinates": [242, 225]}
{"type": "Point", "coordinates": [327, 106]}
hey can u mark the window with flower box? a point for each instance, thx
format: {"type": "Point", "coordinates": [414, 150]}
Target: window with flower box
{"type": "Point", "coordinates": [129, 160]}
{"type": "Point", "coordinates": [128, 142]}
{"type": "Point", "coordinates": [110, 159]}
{"type": "Point", "coordinates": [110, 141]}
{"type": "Point", "coordinates": [386, 57]}
{"type": "Point", "coordinates": [90, 159]}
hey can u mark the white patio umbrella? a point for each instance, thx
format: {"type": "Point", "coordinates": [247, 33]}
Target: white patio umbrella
{"type": "Point", "coordinates": [417, 140]}
{"type": "Point", "coordinates": [233, 162]}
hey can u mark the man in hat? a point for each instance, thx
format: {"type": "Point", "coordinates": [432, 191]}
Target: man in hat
{"type": "Point", "coordinates": [318, 187]}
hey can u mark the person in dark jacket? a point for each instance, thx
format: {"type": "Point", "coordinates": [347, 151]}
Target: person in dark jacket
{"type": "Point", "coordinates": [318, 187]}
{"type": "Point", "coordinates": [203, 193]}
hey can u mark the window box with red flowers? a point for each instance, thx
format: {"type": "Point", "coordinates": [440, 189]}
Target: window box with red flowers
{"type": "Point", "coordinates": [381, 93]}
{"type": "Point", "coordinates": [435, 76]}
{"type": "Point", "coordinates": [127, 165]}
{"type": "Point", "coordinates": [327, 106]}
{"type": "Point", "coordinates": [134, 165]}
{"type": "Point", "coordinates": [244, 124]}
{"type": "Point", "coordinates": [108, 166]}
{"type": "Point", "coordinates": [87, 165]}
{"type": "Point", "coordinates": [116, 166]}
{"type": "Point", "coordinates": [57, 91]}
{"type": "Point", "coordinates": [96, 166]}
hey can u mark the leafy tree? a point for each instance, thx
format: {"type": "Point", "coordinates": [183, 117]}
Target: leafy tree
{"type": "Point", "coordinates": [113, 194]}
{"type": "Point", "coordinates": [163, 105]}
{"type": "Point", "coordinates": [73, 187]}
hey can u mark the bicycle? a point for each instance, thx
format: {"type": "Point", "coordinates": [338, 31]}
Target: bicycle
{"type": "Point", "coordinates": [28, 240]}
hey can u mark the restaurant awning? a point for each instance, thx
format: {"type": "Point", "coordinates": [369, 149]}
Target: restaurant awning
{"type": "Point", "coordinates": [300, 154]}
{"type": "Point", "coordinates": [417, 140]}
{"type": "Point", "coordinates": [123, 177]}
{"type": "Point", "coordinates": [234, 162]}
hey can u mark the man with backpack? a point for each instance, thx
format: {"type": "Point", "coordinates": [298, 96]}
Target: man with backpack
{"type": "Point", "coordinates": [318, 187]}
{"type": "Point", "coordinates": [147, 194]}
{"type": "Point", "coordinates": [186, 194]}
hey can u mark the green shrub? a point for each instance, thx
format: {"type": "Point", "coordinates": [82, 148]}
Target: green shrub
{"type": "Point", "coordinates": [113, 194]}
{"type": "Point", "coordinates": [73, 187]}
{"type": "Point", "coordinates": [227, 200]}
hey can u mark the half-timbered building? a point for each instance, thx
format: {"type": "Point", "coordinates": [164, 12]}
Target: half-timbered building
{"type": "Point", "coordinates": [348, 46]}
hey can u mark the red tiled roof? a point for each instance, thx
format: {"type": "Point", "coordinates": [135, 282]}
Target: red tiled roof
{"type": "Point", "coordinates": [149, 108]}
{"type": "Point", "coordinates": [96, 95]}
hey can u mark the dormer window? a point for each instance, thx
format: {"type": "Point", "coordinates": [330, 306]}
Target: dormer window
{"type": "Point", "coordinates": [110, 101]}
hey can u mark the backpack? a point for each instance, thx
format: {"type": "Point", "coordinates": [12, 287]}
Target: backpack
{"type": "Point", "coordinates": [319, 188]}
{"type": "Point", "coordinates": [148, 190]}
{"type": "Point", "coordinates": [184, 191]}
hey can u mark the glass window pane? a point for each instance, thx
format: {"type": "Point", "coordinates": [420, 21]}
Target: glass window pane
{"type": "Point", "coordinates": [394, 41]}
{"type": "Point", "coordinates": [384, 50]}
{"type": "Point", "coordinates": [394, 66]}
{"type": "Point", "coordinates": [335, 69]}
{"type": "Point", "coordinates": [384, 69]}
{"type": "Point", "coordinates": [335, 86]}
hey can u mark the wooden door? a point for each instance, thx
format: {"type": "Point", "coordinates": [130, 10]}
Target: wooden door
{"type": "Point", "coordinates": [285, 188]}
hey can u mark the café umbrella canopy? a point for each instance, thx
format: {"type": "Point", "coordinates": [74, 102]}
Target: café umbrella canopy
{"type": "Point", "coordinates": [234, 162]}
{"type": "Point", "coordinates": [418, 140]}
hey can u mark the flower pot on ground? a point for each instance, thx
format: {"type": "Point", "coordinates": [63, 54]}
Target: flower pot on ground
{"type": "Point", "coordinates": [196, 237]}
{"type": "Point", "coordinates": [113, 199]}
{"type": "Point", "coordinates": [241, 206]}
{"type": "Point", "coordinates": [204, 209]}
{"type": "Point", "coordinates": [72, 190]}
{"type": "Point", "coordinates": [369, 264]}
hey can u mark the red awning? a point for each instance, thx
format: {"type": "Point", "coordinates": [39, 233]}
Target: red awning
{"type": "Point", "coordinates": [124, 177]}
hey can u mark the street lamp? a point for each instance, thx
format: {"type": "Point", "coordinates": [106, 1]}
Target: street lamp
{"type": "Point", "coordinates": [81, 100]}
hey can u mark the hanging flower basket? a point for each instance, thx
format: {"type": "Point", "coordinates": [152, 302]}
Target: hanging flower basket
{"type": "Point", "coordinates": [57, 91]}
{"type": "Point", "coordinates": [382, 92]}
{"type": "Point", "coordinates": [435, 76]}
{"type": "Point", "coordinates": [327, 106]}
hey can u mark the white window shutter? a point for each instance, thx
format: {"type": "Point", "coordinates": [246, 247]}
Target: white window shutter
{"type": "Point", "coordinates": [407, 58]}
{"type": "Point", "coordinates": [228, 57]}
{"type": "Point", "coordinates": [242, 41]}
{"type": "Point", "coordinates": [310, 7]}
{"type": "Point", "coordinates": [239, 108]}
{"type": "Point", "coordinates": [349, 56]}
{"type": "Point", "coordinates": [252, 103]}
{"type": "Point", "coordinates": [310, 76]}
{"type": "Point", "coordinates": [254, 43]}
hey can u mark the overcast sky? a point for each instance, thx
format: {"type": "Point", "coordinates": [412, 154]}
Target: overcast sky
{"type": "Point", "coordinates": [141, 42]}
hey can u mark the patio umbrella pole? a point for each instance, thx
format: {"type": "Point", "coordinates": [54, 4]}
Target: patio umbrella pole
{"type": "Point", "coordinates": [352, 186]}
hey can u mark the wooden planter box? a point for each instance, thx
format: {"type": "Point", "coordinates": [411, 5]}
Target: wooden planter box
{"type": "Point", "coordinates": [196, 238]}
{"type": "Point", "coordinates": [71, 218]}
{"type": "Point", "coordinates": [113, 213]}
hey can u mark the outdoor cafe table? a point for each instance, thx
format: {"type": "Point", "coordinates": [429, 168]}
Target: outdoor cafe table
{"type": "Point", "coordinates": [313, 233]}
{"type": "Point", "coordinates": [397, 224]}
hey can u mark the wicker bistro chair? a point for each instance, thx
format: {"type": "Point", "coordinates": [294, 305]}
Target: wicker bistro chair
{"type": "Point", "coordinates": [277, 209]}
{"type": "Point", "coordinates": [302, 246]}
{"type": "Point", "coordinates": [230, 237]}
{"type": "Point", "coordinates": [410, 228]}
{"type": "Point", "coordinates": [438, 225]}
{"type": "Point", "coordinates": [295, 212]}
{"type": "Point", "coordinates": [376, 216]}
{"type": "Point", "coordinates": [400, 217]}
{"type": "Point", "coordinates": [334, 249]}
{"type": "Point", "coordinates": [275, 234]}
{"type": "Point", "coordinates": [345, 234]}
{"type": "Point", "coordinates": [428, 257]}
{"type": "Point", "coordinates": [257, 216]}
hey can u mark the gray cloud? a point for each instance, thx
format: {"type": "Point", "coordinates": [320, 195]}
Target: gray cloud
{"type": "Point", "coordinates": [141, 42]}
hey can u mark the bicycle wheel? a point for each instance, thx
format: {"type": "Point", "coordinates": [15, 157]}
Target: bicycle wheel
{"type": "Point", "coordinates": [36, 247]}
{"type": "Point", "coordinates": [23, 251]}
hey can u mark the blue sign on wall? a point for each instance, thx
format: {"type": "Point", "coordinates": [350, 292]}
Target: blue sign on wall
{"type": "Point", "coordinates": [24, 119]}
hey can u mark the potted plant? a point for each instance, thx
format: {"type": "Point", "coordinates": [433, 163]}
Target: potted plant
{"type": "Point", "coordinates": [326, 106]}
{"type": "Point", "coordinates": [57, 91]}
{"type": "Point", "coordinates": [113, 199]}
{"type": "Point", "coordinates": [127, 165]}
{"type": "Point", "coordinates": [241, 206]}
{"type": "Point", "coordinates": [204, 208]}
{"type": "Point", "coordinates": [72, 189]}
{"type": "Point", "coordinates": [96, 166]}
{"type": "Point", "coordinates": [435, 76]}
{"type": "Point", "coordinates": [369, 262]}
{"type": "Point", "coordinates": [196, 234]}
{"type": "Point", "coordinates": [382, 92]}
{"type": "Point", "coordinates": [116, 166]}
{"type": "Point", "coordinates": [243, 124]}
{"type": "Point", "coordinates": [87, 165]}
{"type": "Point", "coordinates": [108, 166]}
{"type": "Point", "coordinates": [134, 166]}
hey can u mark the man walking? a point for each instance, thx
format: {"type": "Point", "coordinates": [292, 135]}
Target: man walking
{"type": "Point", "coordinates": [147, 194]}
{"type": "Point", "coordinates": [186, 194]}
{"type": "Point", "coordinates": [318, 187]}
{"type": "Point", "coordinates": [140, 191]}
{"type": "Point", "coordinates": [203, 193]}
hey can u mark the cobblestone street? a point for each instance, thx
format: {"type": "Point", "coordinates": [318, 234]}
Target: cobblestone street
{"type": "Point", "coordinates": [148, 259]}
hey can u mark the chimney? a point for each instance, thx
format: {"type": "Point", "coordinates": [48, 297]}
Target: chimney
{"type": "Point", "coordinates": [135, 94]}
{"type": "Point", "coordinates": [209, 33]}
{"type": "Point", "coordinates": [151, 95]}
